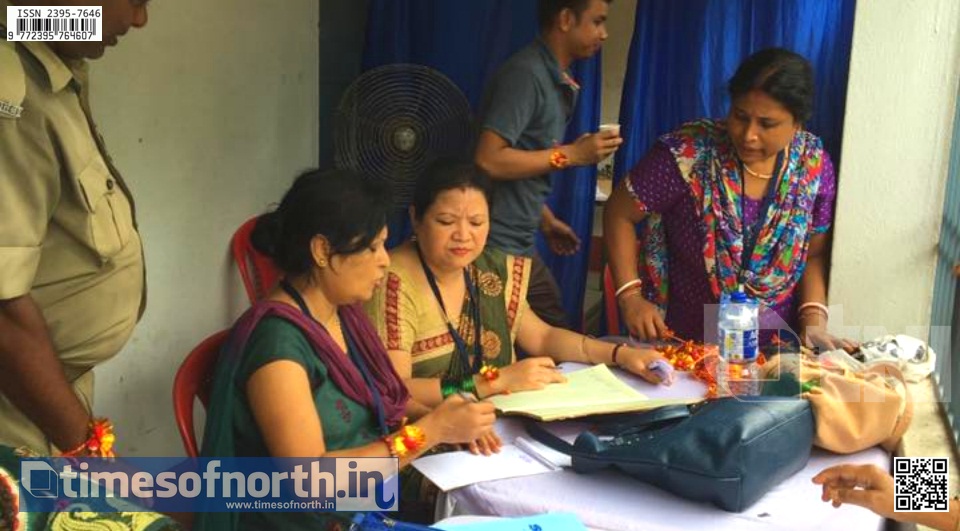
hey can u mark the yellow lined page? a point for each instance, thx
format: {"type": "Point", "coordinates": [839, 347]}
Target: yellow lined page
{"type": "Point", "coordinates": [586, 392]}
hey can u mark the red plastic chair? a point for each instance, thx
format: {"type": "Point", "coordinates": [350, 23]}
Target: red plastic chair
{"type": "Point", "coordinates": [257, 270]}
{"type": "Point", "coordinates": [193, 380]}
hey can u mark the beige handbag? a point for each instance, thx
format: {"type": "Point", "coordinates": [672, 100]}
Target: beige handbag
{"type": "Point", "coordinates": [853, 409]}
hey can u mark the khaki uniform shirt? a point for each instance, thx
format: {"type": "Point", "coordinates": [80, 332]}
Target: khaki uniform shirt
{"type": "Point", "coordinates": [67, 231]}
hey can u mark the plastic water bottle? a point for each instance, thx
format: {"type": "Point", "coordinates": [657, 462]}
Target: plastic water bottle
{"type": "Point", "coordinates": [738, 329]}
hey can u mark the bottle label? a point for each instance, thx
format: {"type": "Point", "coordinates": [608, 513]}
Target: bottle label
{"type": "Point", "coordinates": [739, 346]}
{"type": "Point", "coordinates": [750, 345]}
{"type": "Point", "coordinates": [732, 342]}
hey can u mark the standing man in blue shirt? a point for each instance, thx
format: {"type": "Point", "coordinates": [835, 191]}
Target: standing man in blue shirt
{"type": "Point", "coordinates": [525, 113]}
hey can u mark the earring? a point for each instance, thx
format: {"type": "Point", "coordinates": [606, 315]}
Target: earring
{"type": "Point", "coordinates": [321, 263]}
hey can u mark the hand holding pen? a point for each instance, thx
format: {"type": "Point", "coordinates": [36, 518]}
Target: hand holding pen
{"type": "Point", "coordinates": [487, 444]}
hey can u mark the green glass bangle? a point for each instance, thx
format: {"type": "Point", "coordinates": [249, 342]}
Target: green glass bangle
{"type": "Point", "coordinates": [468, 385]}
{"type": "Point", "coordinates": [808, 386]}
{"type": "Point", "coordinates": [448, 386]}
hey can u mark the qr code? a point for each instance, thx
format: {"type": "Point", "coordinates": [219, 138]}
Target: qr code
{"type": "Point", "coordinates": [920, 484]}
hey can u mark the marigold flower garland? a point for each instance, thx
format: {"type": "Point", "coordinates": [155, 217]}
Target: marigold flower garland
{"type": "Point", "coordinates": [407, 441]}
{"type": "Point", "coordinates": [697, 358]}
{"type": "Point", "coordinates": [99, 442]}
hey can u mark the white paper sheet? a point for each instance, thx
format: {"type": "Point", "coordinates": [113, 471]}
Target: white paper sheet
{"type": "Point", "coordinates": [453, 470]}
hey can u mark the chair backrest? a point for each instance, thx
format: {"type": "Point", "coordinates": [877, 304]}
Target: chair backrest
{"type": "Point", "coordinates": [193, 380]}
{"type": "Point", "coordinates": [257, 270]}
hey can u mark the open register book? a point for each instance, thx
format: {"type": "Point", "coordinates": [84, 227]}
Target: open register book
{"type": "Point", "coordinates": [587, 392]}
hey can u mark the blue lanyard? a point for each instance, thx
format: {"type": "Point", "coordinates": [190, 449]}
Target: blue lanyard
{"type": "Point", "coordinates": [352, 351]}
{"type": "Point", "coordinates": [458, 341]}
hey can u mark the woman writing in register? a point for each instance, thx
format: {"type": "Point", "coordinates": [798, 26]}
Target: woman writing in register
{"type": "Point", "coordinates": [303, 373]}
{"type": "Point", "coordinates": [451, 311]}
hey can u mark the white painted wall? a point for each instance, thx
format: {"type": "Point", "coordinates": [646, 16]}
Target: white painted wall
{"type": "Point", "coordinates": [896, 146]}
{"type": "Point", "coordinates": [210, 112]}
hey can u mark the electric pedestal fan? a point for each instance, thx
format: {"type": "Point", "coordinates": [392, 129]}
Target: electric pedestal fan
{"type": "Point", "coordinates": [394, 120]}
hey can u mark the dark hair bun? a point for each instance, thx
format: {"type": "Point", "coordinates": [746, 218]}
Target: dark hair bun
{"type": "Point", "coordinates": [266, 234]}
{"type": "Point", "coordinates": [348, 209]}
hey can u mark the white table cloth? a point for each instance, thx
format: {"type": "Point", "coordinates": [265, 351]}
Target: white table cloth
{"type": "Point", "coordinates": [612, 501]}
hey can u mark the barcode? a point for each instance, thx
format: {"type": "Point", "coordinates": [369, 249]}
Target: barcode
{"type": "Point", "coordinates": [54, 23]}
{"type": "Point", "coordinates": [57, 24]}
{"type": "Point", "coordinates": [920, 484]}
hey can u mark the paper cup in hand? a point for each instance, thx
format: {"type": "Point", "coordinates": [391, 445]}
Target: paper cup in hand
{"type": "Point", "coordinates": [610, 128]}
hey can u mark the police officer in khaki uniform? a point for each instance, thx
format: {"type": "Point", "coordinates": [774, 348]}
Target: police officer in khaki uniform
{"type": "Point", "coordinates": [71, 265]}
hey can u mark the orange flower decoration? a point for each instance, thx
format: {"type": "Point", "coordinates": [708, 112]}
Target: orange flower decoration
{"type": "Point", "coordinates": [489, 372]}
{"type": "Point", "coordinates": [698, 359]}
{"type": "Point", "coordinates": [99, 443]}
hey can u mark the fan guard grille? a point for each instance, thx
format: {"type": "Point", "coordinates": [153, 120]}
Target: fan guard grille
{"type": "Point", "coordinates": [394, 120]}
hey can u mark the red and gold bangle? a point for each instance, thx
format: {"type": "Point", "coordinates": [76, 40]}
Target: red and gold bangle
{"type": "Point", "coordinates": [408, 440]}
{"type": "Point", "coordinates": [99, 443]}
{"type": "Point", "coordinates": [559, 159]}
{"type": "Point", "coordinates": [489, 372]}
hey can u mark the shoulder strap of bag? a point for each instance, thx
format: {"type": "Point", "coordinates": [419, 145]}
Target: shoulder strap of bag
{"type": "Point", "coordinates": [635, 424]}
{"type": "Point", "coordinates": [545, 437]}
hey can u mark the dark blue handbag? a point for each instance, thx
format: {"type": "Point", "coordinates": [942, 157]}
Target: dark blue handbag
{"type": "Point", "coordinates": [729, 452]}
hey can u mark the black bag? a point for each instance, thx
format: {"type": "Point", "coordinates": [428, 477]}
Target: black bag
{"type": "Point", "coordinates": [729, 452]}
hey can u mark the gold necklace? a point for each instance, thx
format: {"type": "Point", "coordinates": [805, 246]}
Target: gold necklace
{"type": "Point", "coordinates": [763, 176]}
{"type": "Point", "coordinates": [756, 174]}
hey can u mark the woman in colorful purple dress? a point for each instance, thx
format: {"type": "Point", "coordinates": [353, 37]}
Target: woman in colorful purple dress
{"type": "Point", "coordinates": [746, 201]}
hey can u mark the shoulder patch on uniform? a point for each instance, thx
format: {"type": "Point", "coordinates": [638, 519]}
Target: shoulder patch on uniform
{"type": "Point", "coordinates": [13, 81]}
